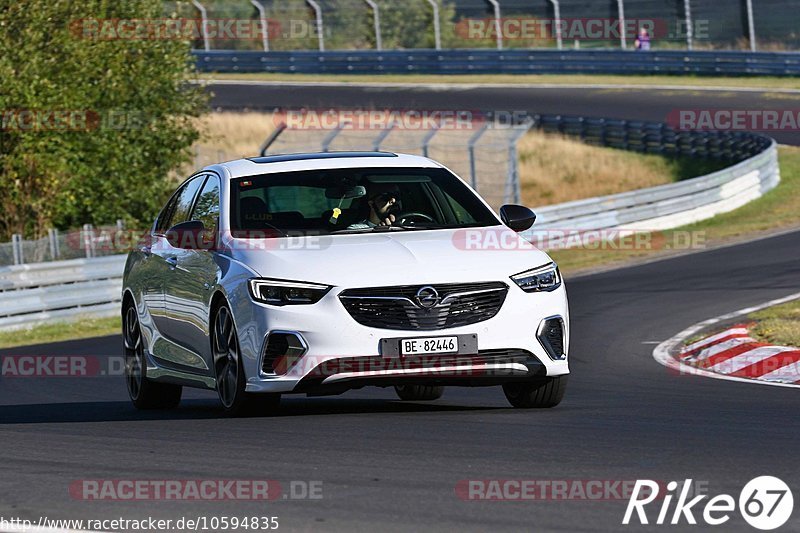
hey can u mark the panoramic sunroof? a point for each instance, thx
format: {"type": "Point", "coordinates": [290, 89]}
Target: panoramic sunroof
{"type": "Point", "coordinates": [318, 155]}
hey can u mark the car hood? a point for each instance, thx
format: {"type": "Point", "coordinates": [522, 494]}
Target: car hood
{"type": "Point", "coordinates": [393, 258]}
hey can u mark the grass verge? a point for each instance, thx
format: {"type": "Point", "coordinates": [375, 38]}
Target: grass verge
{"type": "Point", "coordinates": [520, 79]}
{"type": "Point", "coordinates": [778, 325]}
{"type": "Point", "coordinates": [778, 209]}
{"type": "Point", "coordinates": [47, 333]}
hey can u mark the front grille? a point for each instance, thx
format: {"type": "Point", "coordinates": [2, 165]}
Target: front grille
{"type": "Point", "coordinates": [460, 304]}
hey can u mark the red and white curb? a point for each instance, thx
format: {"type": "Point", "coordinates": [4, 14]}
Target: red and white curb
{"type": "Point", "coordinates": [732, 354]}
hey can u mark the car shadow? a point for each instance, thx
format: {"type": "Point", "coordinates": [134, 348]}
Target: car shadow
{"type": "Point", "coordinates": [123, 411]}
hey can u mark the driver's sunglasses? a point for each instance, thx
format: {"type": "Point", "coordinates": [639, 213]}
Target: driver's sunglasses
{"type": "Point", "coordinates": [386, 196]}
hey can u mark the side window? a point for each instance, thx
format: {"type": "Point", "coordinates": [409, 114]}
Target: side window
{"type": "Point", "coordinates": [180, 205]}
{"type": "Point", "coordinates": [206, 209]}
{"type": "Point", "coordinates": [164, 217]}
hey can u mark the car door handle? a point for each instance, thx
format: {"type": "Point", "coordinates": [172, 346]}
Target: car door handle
{"type": "Point", "coordinates": [172, 262]}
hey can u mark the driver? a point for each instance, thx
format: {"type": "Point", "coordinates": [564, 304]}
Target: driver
{"type": "Point", "coordinates": [383, 200]}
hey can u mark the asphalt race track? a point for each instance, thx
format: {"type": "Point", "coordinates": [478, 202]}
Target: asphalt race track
{"type": "Point", "coordinates": [397, 464]}
{"type": "Point", "coordinates": [633, 104]}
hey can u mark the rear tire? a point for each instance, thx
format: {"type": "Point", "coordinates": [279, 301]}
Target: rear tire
{"type": "Point", "coordinates": [229, 372]}
{"type": "Point", "coordinates": [419, 393]}
{"type": "Point", "coordinates": [542, 393]}
{"type": "Point", "coordinates": [144, 393]}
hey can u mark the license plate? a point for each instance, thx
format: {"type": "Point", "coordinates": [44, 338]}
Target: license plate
{"type": "Point", "coordinates": [426, 345]}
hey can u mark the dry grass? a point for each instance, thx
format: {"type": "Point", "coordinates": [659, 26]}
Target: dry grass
{"type": "Point", "coordinates": [231, 135]}
{"type": "Point", "coordinates": [555, 169]}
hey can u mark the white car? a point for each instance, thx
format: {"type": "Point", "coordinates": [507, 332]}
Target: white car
{"type": "Point", "coordinates": [323, 272]}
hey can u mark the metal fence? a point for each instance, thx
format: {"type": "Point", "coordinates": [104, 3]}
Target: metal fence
{"type": "Point", "coordinates": [85, 243]}
{"type": "Point", "coordinates": [441, 24]}
{"type": "Point", "coordinates": [477, 61]}
{"type": "Point", "coordinates": [484, 155]}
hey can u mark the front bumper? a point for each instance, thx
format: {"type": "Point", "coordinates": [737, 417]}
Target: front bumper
{"type": "Point", "coordinates": [339, 353]}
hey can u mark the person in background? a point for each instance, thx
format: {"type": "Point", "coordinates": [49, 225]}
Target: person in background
{"type": "Point", "coordinates": [643, 40]}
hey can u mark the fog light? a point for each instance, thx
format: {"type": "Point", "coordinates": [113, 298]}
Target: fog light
{"type": "Point", "coordinates": [551, 337]}
{"type": "Point", "coordinates": [282, 350]}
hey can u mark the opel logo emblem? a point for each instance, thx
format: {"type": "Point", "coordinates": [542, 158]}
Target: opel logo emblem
{"type": "Point", "coordinates": [427, 297]}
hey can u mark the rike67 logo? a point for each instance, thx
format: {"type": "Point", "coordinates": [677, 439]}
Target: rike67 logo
{"type": "Point", "coordinates": [765, 503]}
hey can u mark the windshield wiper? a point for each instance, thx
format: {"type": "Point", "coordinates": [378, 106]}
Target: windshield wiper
{"type": "Point", "coordinates": [378, 229]}
{"type": "Point", "coordinates": [407, 227]}
{"type": "Point", "coordinates": [375, 229]}
{"type": "Point", "coordinates": [256, 233]}
{"type": "Point", "coordinates": [426, 225]}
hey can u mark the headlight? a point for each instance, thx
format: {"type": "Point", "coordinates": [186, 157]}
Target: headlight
{"type": "Point", "coordinates": [282, 292]}
{"type": "Point", "coordinates": [542, 279]}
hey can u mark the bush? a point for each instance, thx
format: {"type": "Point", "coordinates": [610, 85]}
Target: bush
{"type": "Point", "coordinates": [92, 127]}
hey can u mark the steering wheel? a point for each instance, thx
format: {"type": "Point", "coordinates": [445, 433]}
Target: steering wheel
{"type": "Point", "coordinates": [404, 218]}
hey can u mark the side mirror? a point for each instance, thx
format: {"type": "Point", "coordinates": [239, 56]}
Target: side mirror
{"type": "Point", "coordinates": [189, 235]}
{"type": "Point", "coordinates": [517, 217]}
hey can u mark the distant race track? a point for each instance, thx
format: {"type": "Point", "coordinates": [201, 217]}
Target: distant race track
{"type": "Point", "coordinates": [628, 103]}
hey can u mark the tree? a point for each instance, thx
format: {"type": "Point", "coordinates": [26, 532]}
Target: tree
{"type": "Point", "coordinates": [94, 121]}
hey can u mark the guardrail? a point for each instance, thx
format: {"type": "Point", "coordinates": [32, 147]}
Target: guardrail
{"type": "Point", "coordinates": [60, 290]}
{"type": "Point", "coordinates": [669, 206]}
{"type": "Point", "coordinates": [755, 171]}
{"type": "Point", "coordinates": [521, 61]}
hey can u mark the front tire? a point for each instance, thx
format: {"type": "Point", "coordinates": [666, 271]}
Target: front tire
{"type": "Point", "coordinates": [229, 372]}
{"type": "Point", "coordinates": [542, 393]}
{"type": "Point", "coordinates": [419, 393]}
{"type": "Point", "coordinates": [144, 393]}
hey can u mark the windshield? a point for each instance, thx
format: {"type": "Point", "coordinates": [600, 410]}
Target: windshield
{"type": "Point", "coordinates": [353, 201]}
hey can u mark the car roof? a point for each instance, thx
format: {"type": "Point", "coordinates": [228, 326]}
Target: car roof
{"type": "Point", "coordinates": [270, 164]}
